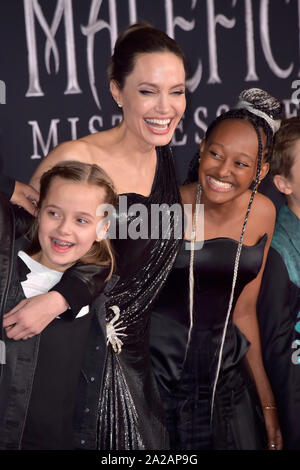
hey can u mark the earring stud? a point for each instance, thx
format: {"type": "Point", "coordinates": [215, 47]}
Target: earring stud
{"type": "Point", "coordinates": [119, 104]}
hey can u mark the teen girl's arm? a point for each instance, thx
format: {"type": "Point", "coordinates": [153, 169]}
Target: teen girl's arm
{"type": "Point", "coordinates": [245, 318]}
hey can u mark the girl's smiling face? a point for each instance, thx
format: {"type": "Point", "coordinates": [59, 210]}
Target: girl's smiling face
{"type": "Point", "coordinates": [68, 222]}
{"type": "Point", "coordinates": [228, 160]}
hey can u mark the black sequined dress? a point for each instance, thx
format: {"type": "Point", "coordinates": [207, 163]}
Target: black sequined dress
{"type": "Point", "coordinates": [130, 411]}
{"type": "Point", "coordinates": [186, 387]}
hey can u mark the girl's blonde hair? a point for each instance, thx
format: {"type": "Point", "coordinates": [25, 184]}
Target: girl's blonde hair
{"type": "Point", "coordinates": [100, 253]}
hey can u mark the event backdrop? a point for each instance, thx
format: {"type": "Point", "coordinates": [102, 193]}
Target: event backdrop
{"type": "Point", "coordinates": [54, 56]}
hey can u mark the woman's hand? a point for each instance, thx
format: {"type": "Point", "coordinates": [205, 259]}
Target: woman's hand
{"type": "Point", "coordinates": [275, 441]}
{"type": "Point", "coordinates": [32, 315]}
{"type": "Point", "coordinates": [25, 196]}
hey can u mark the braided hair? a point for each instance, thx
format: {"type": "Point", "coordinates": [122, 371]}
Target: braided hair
{"type": "Point", "coordinates": [259, 100]}
{"type": "Point", "coordinates": [262, 111]}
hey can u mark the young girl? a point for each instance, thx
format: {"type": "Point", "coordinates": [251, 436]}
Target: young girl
{"type": "Point", "coordinates": [205, 335]}
{"type": "Point", "coordinates": [40, 377]}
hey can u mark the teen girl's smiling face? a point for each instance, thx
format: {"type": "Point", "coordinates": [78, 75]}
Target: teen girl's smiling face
{"type": "Point", "coordinates": [153, 97]}
{"type": "Point", "coordinates": [229, 160]}
{"type": "Point", "coordinates": [68, 222]}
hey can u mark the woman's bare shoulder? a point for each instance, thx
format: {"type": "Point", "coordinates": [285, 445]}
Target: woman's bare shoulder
{"type": "Point", "coordinates": [70, 150]}
{"type": "Point", "coordinates": [78, 150]}
{"type": "Point", "coordinates": [84, 148]}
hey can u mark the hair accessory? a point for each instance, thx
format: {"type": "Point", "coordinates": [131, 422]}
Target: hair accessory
{"type": "Point", "coordinates": [260, 103]}
{"type": "Point", "coordinates": [273, 123]}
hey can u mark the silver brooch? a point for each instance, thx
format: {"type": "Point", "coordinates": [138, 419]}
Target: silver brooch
{"type": "Point", "coordinates": [113, 331]}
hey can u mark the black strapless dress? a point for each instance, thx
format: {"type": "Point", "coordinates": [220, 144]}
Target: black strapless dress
{"type": "Point", "coordinates": [131, 414]}
{"type": "Point", "coordinates": [186, 387]}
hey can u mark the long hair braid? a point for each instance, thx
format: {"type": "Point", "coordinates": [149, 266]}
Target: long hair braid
{"type": "Point", "coordinates": [236, 263]}
{"type": "Point", "coordinates": [262, 111]}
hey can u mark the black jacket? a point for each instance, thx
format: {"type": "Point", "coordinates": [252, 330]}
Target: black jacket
{"type": "Point", "coordinates": [16, 380]}
{"type": "Point", "coordinates": [7, 185]}
{"type": "Point", "coordinates": [277, 308]}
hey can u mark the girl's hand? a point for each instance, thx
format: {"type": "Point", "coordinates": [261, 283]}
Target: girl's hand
{"type": "Point", "coordinates": [275, 441]}
{"type": "Point", "coordinates": [32, 315]}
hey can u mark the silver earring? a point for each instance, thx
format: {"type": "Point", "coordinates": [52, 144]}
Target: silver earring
{"type": "Point", "coordinates": [119, 104]}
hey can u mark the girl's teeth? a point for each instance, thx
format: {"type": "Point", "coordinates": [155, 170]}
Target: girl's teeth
{"type": "Point", "coordinates": [220, 184]}
{"type": "Point", "coordinates": [61, 243]}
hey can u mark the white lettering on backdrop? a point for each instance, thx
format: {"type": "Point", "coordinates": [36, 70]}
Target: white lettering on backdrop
{"type": "Point", "coordinates": [63, 17]}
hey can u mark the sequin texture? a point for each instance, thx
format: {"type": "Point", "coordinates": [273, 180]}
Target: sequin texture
{"type": "Point", "coordinates": [130, 412]}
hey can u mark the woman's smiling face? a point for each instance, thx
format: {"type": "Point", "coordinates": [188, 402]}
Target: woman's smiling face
{"type": "Point", "coordinates": [153, 97]}
{"type": "Point", "coordinates": [228, 160]}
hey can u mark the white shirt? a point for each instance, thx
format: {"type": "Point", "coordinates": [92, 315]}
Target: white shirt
{"type": "Point", "coordinates": [41, 279]}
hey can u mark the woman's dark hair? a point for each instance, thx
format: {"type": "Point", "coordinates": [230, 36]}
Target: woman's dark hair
{"type": "Point", "coordinates": [283, 153]}
{"type": "Point", "coordinates": [78, 172]}
{"type": "Point", "coordinates": [139, 38]}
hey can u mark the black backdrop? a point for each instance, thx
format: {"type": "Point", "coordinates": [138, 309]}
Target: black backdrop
{"type": "Point", "coordinates": [54, 55]}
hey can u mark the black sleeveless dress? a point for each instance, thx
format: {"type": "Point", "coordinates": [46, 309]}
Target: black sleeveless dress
{"type": "Point", "coordinates": [186, 387]}
{"type": "Point", "coordinates": [130, 412]}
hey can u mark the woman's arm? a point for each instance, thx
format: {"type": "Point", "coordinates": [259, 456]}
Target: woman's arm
{"type": "Point", "coordinates": [245, 318]}
{"type": "Point", "coordinates": [32, 315]}
{"type": "Point", "coordinates": [19, 193]}
{"type": "Point", "coordinates": [78, 287]}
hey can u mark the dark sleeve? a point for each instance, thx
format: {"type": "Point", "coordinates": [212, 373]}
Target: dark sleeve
{"type": "Point", "coordinates": [7, 185]}
{"type": "Point", "coordinates": [81, 284]}
{"type": "Point", "coordinates": [277, 308]}
{"type": "Point", "coordinates": [23, 220]}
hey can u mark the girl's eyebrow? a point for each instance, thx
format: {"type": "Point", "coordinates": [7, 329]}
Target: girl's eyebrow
{"type": "Point", "coordinates": [86, 214]}
{"type": "Point", "coordinates": [240, 153]}
{"type": "Point", "coordinates": [54, 206]}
